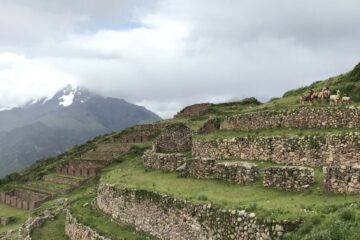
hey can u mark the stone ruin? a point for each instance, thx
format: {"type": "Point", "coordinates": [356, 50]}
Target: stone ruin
{"type": "Point", "coordinates": [23, 199]}
{"type": "Point", "coordinates": [289, 177]}
{"type": "Point", "coordinates": [211, 125]}
{"type": "Point", "coordinates": [305, 117]}
{"type": "Point", "coordinates": [136, 136]}
{"type": "Point", "coordinates": [326, 150]}
{"type": "Point", "coordinates": [80, 168]}
{"type": "Point", "coordinates": [194, 110]}
{"type": "Point", "coordinates": [4, 221]}
{"type": "Point", "coordinates": [174, 138]}
{"type": "Point", "coordinates": [237, 172]}
{"type": "Point", "coordinates": [342, 179]}
{"type": "Point", "coordinates": [168, 148]}
{"type": "Point", "coordinates": [163, 161]}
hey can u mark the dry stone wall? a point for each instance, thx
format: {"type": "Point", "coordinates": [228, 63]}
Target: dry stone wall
{"type": "Point", "coordinates": [166, 217]}
{"type": "Point", "coordinates": [329, 117]}
{"type": "Point", "coordinates": [80, 168]}
{"type": "Point", "coordinates": [174, 138]}
{"type": "Point", "coordinates": [342, 149]}
{"type": "Point", "coordinates": [163, 161]}
{"type": "Point", "coordinates": [342, 179]}
{"type": "Point", "coordinates": [194, 110]}
{"type": "Point", "coordinates": [237, 172]}
{"type": "Point", "coordinates": [23, 199]}
{"type": "Point", "coordinates": [77, 231]}
{"type": "Point", "coordinates": [289, 177]}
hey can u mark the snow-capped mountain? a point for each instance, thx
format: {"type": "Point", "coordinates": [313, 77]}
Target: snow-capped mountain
{"type": "Point", "coordinates": [47, 126]}
{"type": "Point", "coordinates": [64, 98]}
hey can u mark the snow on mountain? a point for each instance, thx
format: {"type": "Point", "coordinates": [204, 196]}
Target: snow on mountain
{"type": "Point", "coordinates": [68, 98]}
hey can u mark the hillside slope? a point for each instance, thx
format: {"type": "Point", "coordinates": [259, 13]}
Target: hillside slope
{"type": "Point", "coordinates": [47, 127]}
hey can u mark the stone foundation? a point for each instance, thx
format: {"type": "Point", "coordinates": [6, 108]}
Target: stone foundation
{"type": "Point", "coordinates": [163, 161]}
{"type": "Point", "coordinates": [287, 150]}
{"type": "Point", "coordinates": [237, 172]}
{"type": "Point", "coordinates": [174, 138]}
{"type": "Point", "coordinates": [289, 178]}
{"type": "Point", "coordinates": [194, 110]}
{"type": "Point", "coordinates": [23, 199]}
{"type": "Point", "coordinates": [306, 117]}
{"type": "Point", "coordinates": [342, 179]}
{"type": "Point", "coordinates": [77, 231]}
{"type": "Point", "coordinates": [80, 168]}
{"type": "Point", "coordinates": [166, 217]}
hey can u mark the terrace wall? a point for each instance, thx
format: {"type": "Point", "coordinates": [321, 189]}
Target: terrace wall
{"type": "Point", "coordinates": [166, 217]}
{"type": "Point", "coordinates": [342, 179]}
{"type": "Point", "coordinates": [23, 199]}
{"type": "Point", "coordinates": [194, 110]}
{"type": "Point", "coordinates": [237, 172]}
{"type": "Point", "coordinates": [330, 149]}
{"type": "Point", "coordinates": [289, 177]}
{"type": "Point", "coordinates": [80, 168]}
{"type": "Point", "coordinates": [163, 161]}
{"type": "Point", "coordinates": [327, 117]}
{"type": "Point", "coordinates": [77, 231]}
{"type": "Point", "coordinates": [174, 138]}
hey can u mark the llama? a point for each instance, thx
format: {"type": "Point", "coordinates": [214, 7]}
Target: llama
{"type": "Point", "coordinates": [345, 100]}
{"type": "Point", "coordinates": [335, 98]}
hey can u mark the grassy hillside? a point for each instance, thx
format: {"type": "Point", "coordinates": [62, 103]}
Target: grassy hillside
{"type": "Point", "coordinates": [348, 84]}
{"type": "Point", "coordinates": [323, 215]}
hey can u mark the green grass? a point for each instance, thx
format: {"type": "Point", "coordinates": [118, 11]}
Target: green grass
{"type": "Point", "coordinates": [19, 214]}
{"type": "Point", "coordinates": [51, 230]}
{"type": "Point", "coordinates": [266, 202]}
{"type": "Point", "coordinates": [80, 206]}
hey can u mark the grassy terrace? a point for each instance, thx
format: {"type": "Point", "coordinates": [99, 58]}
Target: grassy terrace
{"type": "Point", "coordinates": [324, 215]}
{"type": "Point", "coordinates": [19, 214]}
{"type": "Point", "coordinates": [80, 206]}
{"type": "Point", "coordinates": [68, 176]}
{"type": "Point", "coordinates": [270, 202]}
{"type": "Point", "coordinates": [275, 132]}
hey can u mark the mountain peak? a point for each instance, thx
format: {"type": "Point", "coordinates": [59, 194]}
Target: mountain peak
{"type": "Point", "coordinates": [73, 95]}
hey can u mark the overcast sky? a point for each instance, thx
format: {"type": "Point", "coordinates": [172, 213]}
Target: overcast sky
{"type": "Point", "coordinates": [166, 54]}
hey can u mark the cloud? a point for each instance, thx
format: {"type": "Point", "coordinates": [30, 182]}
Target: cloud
{"type": "Point", "coordinates": [169, 53]}
{"type": "Point", "coordinates": [23, 79]}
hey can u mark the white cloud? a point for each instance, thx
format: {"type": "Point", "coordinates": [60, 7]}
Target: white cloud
{"type": "Point", "coordinates": [22, 79]}
{"type": "Point", "coordinates": [170, 53]}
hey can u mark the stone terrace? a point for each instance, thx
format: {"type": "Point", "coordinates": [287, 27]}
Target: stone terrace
{"type": "Point", "coordinates": [23, 199]}
{"type": "Point", "coordinates": [237, 172]}
{"type": "Point", "coordinates": [329, 117]}
{"type": "Point", "coordinates": [342, 179]}
{"type": "Point", "coordinates": [332, 149]}
{"type": "Point", "coordinates": [80, 168]}
{"type": "Point", "coordinates": [289, 177]}
{"type": "Point", "coordinates": [194, 110]}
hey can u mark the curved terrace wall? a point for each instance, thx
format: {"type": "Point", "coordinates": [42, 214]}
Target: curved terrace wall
{"type": "Point", "coordinates": [166, 217]}
{"type": "Point", "coordinates": [330, 149]}
{"type": "Point", "coordinates": [77, 231]}
{"type": "Point", "coordinates": [305, 117]}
